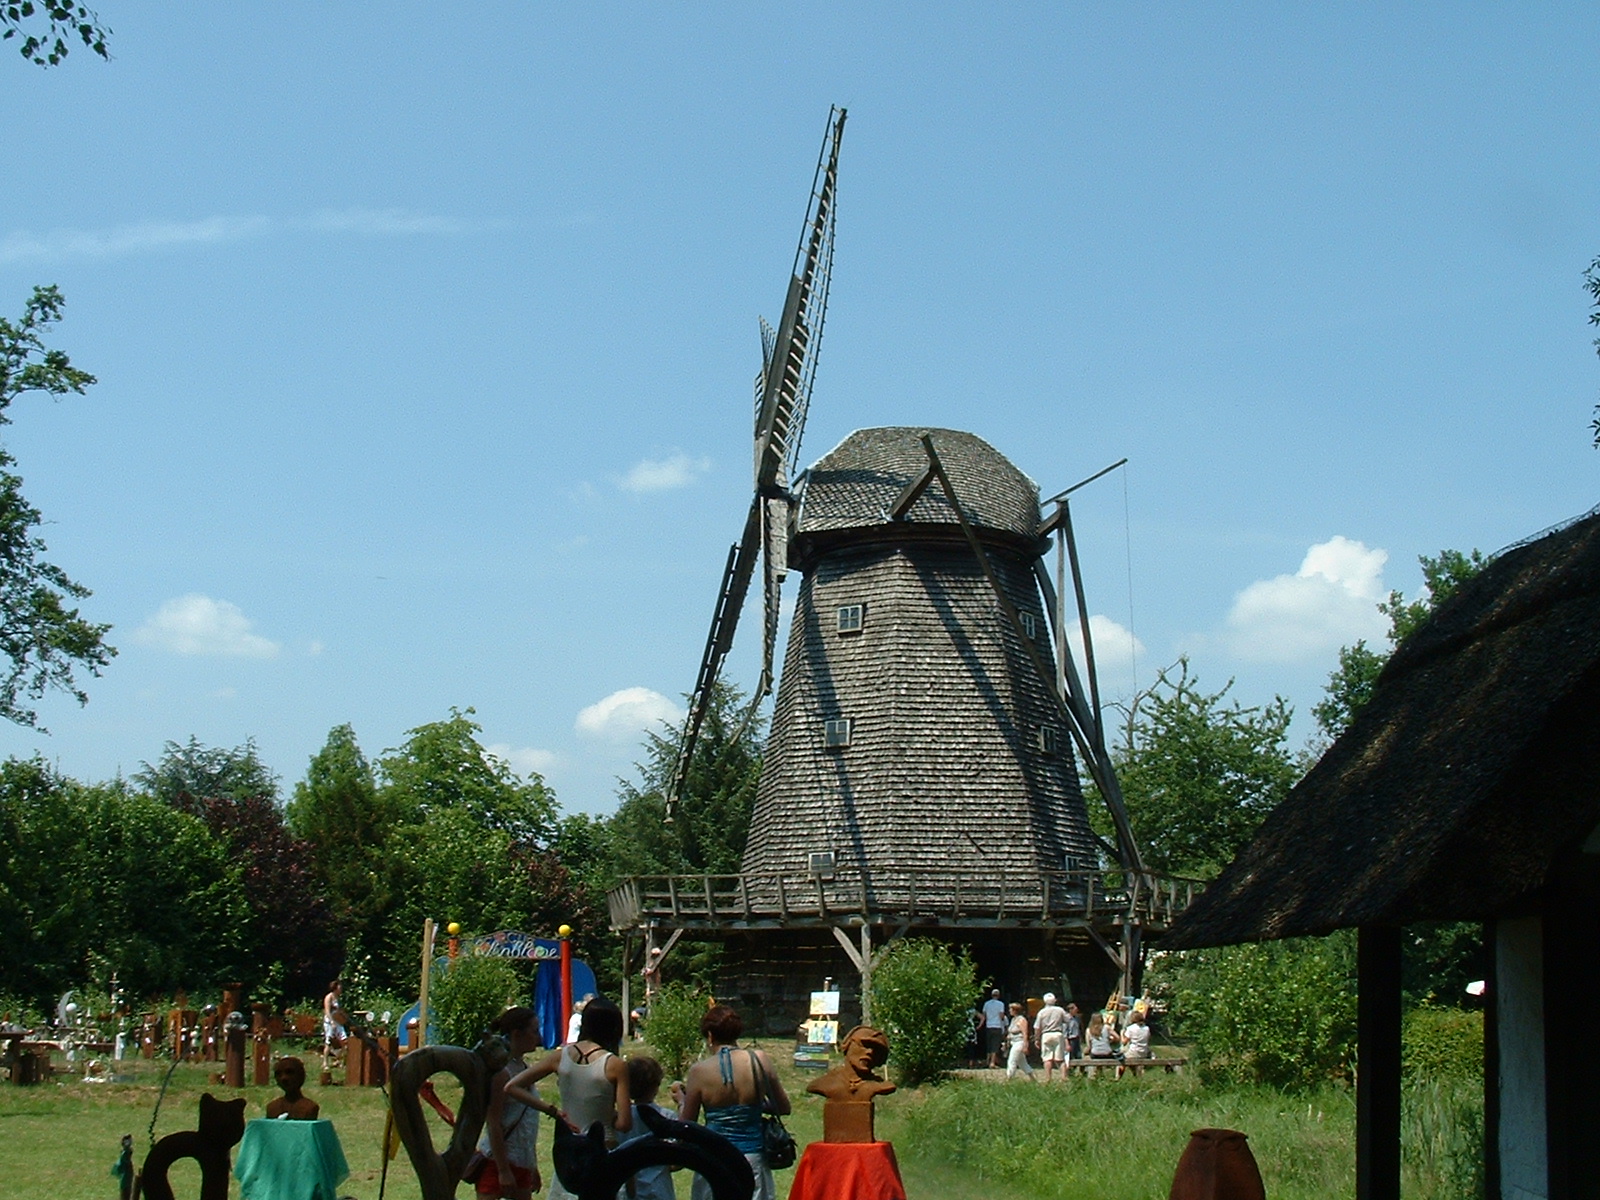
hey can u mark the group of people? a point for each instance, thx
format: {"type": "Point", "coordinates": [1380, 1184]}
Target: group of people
{"type": "Point", "coordinates": [730, 1088]}
{"type": "Point", "coordinates": [1119, 1033]}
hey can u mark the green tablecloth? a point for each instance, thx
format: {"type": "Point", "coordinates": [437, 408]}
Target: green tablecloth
{"type": "Point", "coordinates": [290, 1160]}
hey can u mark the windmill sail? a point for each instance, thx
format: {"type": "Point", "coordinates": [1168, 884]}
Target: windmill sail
{"type": "Point", "coordinates": [789, 367]}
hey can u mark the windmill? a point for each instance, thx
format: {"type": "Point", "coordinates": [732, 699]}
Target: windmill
{"type": "Point", "coordinates": [783, 392]}
{"type": "Point", "coordinates": [920, 772]}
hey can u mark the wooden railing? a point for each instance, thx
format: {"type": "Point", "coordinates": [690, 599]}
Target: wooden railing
{"type": "Point", "coordinates": [757, 899]}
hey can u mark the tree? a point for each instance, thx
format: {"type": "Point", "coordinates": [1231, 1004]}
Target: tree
{"type": "Point", "coordinates": [1281, 1013]}
{"type": "Point", "coordinates": [442, 766]}
{"type": "Point", "coordinates": [1199, 772]}
{"type": "Point", "coordinates": [189, 774]}
{"type": "Point", "coordinates": [1591, 281]}
{"type": "Point", "coordinates": [41, 635]}
{"type": "Point", "coordinates": [708, 830]}
{"type": "Point", "coordinates": [49, 27]}
{"type": "Point", "coordinates": [102, 871]}
{"type": "Point", "coordinates": [1350, 685]}
{"type": "Point", "coordinates": [341, 815]}
{"type": "Point", "coordinates": [922, 997]}
{"type": "Point", "coordinates": [235, 794]}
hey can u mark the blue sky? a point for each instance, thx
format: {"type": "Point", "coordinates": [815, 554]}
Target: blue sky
{"type": "Point", "coordinates": [425, 335]}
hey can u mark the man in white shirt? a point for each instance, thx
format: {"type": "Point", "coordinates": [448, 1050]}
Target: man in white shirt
{"type": "Point", "coordinates": [994, 1026]}
{"type": "Point", "coordinates": [1050, 1026]}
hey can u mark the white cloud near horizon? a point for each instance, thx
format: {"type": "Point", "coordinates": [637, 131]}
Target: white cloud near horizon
{"type": "Point", "coordinates": [1332, 601]}
{"type": "Point", "coordinates": [198, 625]}
{"type": "Point", "coordinates": [663, 474]}
{"type": "Point", "coordinates": [1117, 652]}
{"type": "Point", "coordinates": [625, 714]}
{"type": "Point", "coordinates": [144, 236]}
{"type": "Point", "coordinates": [524, 760]}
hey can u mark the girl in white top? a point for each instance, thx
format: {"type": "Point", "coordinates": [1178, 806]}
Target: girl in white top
{"type": "Point", "coordinates": [593, 1080]}
{"type": "Point", "coordinates": [511, 1128]}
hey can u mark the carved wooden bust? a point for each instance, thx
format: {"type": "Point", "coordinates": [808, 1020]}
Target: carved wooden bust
{"type": "Point", "coordinates": [849, 1088]}
{"type": "Point", "coordinates": [290, 1074]}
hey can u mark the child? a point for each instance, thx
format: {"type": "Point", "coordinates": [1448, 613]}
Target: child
{"type": "Point", "coordinates": [644, 1081]}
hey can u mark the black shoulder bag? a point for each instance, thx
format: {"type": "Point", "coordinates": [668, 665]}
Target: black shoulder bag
{"type": "Point", "coordinates": [777, 1143]}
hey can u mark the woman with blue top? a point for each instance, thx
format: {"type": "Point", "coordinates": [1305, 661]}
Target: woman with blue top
{"type": "Point", "coordinates": [726, 1086]}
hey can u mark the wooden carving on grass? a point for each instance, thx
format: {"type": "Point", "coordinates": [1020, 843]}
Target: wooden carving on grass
{"type": "Point", "coordinates": [221, 1127]}
{"type": "Point", "coordinates": [439, 1173]}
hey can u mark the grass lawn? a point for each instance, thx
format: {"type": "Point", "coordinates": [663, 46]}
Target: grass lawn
{"type": "Point", "coordinates": [970, 1139]}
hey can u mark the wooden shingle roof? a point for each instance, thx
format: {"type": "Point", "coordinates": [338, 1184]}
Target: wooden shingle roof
{"type": "Point", "coordinates": [1473, 767]}
{"type": "Point", "coordinates": [855, 484]}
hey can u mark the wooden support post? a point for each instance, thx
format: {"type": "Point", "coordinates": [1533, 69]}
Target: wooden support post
{"type": "Point", "coordinates": [1378, 1063]}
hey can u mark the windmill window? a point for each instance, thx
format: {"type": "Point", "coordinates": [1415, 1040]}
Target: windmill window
{"type": "Point", "coordinates": [820, 863]}
{"type": "Point", "coordinates": [850, 618]}
{"type": "Point", "coordinates": [1030, 625]}
{"type": "Point", "coordinates": [1046, 740]}
{"type": "Point", "coordinates": [836, 732]}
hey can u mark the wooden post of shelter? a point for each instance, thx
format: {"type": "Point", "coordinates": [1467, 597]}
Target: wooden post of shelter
{"type": "Point", "coordinates": [1378, 1063]}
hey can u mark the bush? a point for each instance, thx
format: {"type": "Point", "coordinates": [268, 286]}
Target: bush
{"type": "Point", "coordinates": [469, 994]}
{"type": "Point", "coordinates": [922, 998]}
{"type": "Point", "coordinates": [673, 1027]}
{"type": "Point", "coordinates": [1279, 1013]}
{"type": "Point", "coordinates": [1440, 1042]}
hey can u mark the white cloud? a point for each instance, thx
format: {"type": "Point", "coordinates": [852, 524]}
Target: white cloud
{"type": "Point", "coordinates": [129, 239]}
{"type": "Point", "coordinates": [146, 236]}
{"type": "Point", "coordinates": [1116, 652]}
{"type": "Point", "coordinates": [383, 222]}
{"type": "Point", "coordinates": [663, 474]}
{"type": "Point", "coordinates": [196, 624]}
{"type": "Point", "coordinates": [1332, 601]}
{"type": "Point", "coordinates": [524, 760]}
{"type": "Point", "coordinates": [623, 715]}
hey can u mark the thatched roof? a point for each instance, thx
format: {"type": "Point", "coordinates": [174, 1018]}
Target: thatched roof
{"type": "Point", "coordinates": [1473, 767]}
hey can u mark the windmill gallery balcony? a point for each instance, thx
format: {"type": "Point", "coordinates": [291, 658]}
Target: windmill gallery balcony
{"type": "Point", "coordinates": [1089, 899]}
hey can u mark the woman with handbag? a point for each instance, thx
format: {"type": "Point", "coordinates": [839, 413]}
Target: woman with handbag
{"type": "Point", "coordinates": [507, 1161]}
{"type": "Point", "coordinates": [736, 1089]}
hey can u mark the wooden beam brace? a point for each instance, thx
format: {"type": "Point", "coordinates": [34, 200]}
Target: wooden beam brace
{"type": "Point", "coordinates": [850, 950]}
{"type": "Point", "coordinates": [910, 495]}
{"type": "Point", "coordinates": [1128, 849]}
{"type": "Point", "coordinates": [1111, 951]}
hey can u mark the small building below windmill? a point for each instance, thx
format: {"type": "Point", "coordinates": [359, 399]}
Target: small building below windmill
{"type": "Point", "coordinates": [920, 774]}
{"type": "Point", "coordinates": [1468, 788]}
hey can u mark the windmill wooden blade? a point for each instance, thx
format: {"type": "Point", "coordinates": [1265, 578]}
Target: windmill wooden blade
{"type": "Point", "coordinates": [791, 366]}
{"type": "Point", "coordinates": [724, 620]}
{"type": "Point", "coordinates": [789, 358]}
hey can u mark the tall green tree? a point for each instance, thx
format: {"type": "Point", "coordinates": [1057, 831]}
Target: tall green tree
{"type": "Point", "coordinates": [98, 870]}
{"type": "Point", "coordinates": [43, 637]}
{"type": "Point", "coordinates": [1199, 771]}
{"type": "Point", "coordinates": [471, 844]}
{"type": "Point", "coordinates": [290, 930]}
{"type": "Point", "coordinates": [441, 766]}
{"type": "Point", "coordinates": [347, 823]}
{"type": "Point", "coordinates": [191, 772]}
{"type": "Point", "coordinates": [708, 829]}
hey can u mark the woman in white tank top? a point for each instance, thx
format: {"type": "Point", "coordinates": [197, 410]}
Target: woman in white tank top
{"type": "Point", "coordinates": [592, 1080]}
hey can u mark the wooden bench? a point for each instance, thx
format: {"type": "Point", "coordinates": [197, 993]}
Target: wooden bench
{"type": "Point", "coordinates": [1090, 1066]}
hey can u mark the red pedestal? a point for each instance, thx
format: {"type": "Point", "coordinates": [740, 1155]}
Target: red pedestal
{"type": "Point", "coordinates": [847, 1171]}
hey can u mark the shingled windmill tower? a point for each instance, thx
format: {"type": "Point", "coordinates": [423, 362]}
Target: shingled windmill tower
{"type": "Point", "coordinates": [920, 774]}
